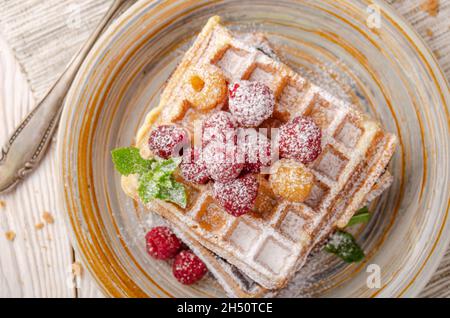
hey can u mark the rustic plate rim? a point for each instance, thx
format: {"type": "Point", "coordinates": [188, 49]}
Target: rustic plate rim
{"type": "Point", "coordinates": [433, 260]}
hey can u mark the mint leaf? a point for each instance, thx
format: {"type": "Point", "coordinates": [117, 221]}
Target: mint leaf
{"type": "Point", "coordinates": [172, 191]}
{"type": "Point", "coordinates": [165, 167]}
{"type": "Point", "coordinates": [158, 183]}
{"type": "Point", "coordinates": [361, 216]}
{"type": "Point", "coordinates": [155, 176]}
{"type": "Point", "coordinates": [344, 245]}
{"type": "Point", "coordinates": [178, 195]}
{"type": "Point", "coordinates": [128, 161]}
{"type": "Point", "coordinates": [148, 188]}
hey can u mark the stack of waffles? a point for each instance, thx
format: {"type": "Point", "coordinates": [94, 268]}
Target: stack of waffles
{"type": "Point", "coordinates": [258, 253]}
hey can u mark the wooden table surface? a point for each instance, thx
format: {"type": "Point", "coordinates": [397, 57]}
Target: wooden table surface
{"type": "Point", "coordinates": [37, 40]}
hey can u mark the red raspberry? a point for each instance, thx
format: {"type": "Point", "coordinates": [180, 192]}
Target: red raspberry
{"type": "Point", "coordinates": [256, 149]}
{"type": "Point", "coordinates": [162, 243]}
{"type": "Point", "coordinates": [237, 197]}
{"type": "Point", "coordinates": [300, 139]}
{"type": "Point", "coordinates": [250, 102]}
{"type": "Point", "coordinates": [188, 268]}
{"type": "Point", "coordinates": [167, 140]}
{"type": "Point", "coordinates": [193, 167]}
{"type": "Point", "coordinates": [222, 162]}
{"type": "Point", "coordinates": [219, 127]}
{"type": "Point", "coordinates": [233, 89]}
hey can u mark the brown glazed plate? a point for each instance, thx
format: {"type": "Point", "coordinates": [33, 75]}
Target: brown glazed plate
{"type": "Point", "coordinates": [386, 69]}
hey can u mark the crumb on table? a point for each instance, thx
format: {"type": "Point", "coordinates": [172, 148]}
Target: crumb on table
{"type": "Point", "coordinates": [48, 217]}
{"type": "Point", "coordinates": [39, 226]}
{"type": "Point", "coordinates": [2, 204]}
{"type": "Point", "coordinates": [10, 235]}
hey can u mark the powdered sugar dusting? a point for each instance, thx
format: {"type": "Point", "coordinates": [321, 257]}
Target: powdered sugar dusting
{"type": "Point", "coordinates": [244, 236]}
{"type": "Point", "coordinates": [300, 139]}
{"type": "Point", "coordinates": [218, 127]}
{"type": "Point", "coordinates": [273, 255]}
{"type": "Point", "coordinates": [238, 196]}
{"type": "Point", "coordinates": [211, 217]}
{"type": "Point", "coordinates": [251, 102]}
{"type": "Point", "coordinates": [188, 268]}
{"type": "Point", "coordinates": [255, 150]}
{"type": "Point", "coordinates": [162, 243]}
{"type": "Point", "coordinates": [349, 134]}
{"type": "Point", "coordinates": [193, 168]}
{"type": "Point", "coordinates": [291, 180]}
{"type": "Point", "coordinates": [233, 63]}
{"type": "Point", "coordinates": [221, 161]}
{"type": "Point", "coordinates": [304, 283]}
{"type": "Point", "coordinates": [331, 163]}
{"type": "Point", "coordinates": [292, 225]}
{"type": "Point", "coordinates": [166, 140]}
{"type": "Point", "coordinates": [205, 87]}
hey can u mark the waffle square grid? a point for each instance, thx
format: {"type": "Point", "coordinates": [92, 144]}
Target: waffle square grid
{"type": "Point", "coordinates": [271, 243]}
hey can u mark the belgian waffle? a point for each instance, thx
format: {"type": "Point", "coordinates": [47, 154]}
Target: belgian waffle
{"type": "Point", "coordinates": [271, 243]}
{"type": "Point", "coordinates": [235, 283]}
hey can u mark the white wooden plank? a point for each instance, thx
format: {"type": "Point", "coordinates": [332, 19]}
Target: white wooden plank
{"type": "Point", "coordinates": [36, 263]}
{"type": "Point", "coordinates": [45, 35]}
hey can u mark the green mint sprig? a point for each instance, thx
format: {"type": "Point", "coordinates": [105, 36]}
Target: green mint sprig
{"type": "Point", "coordinates": [128, 161]}
{"type": "Point", "coordinates": [361, 216]}
{"type": "Point", "coordinates": [155, 176]}
{"type": "Point", "coordinates": [343, 244]}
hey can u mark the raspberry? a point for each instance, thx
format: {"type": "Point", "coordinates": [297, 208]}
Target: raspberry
{"type": "Point", "coordinates": [256, 149]}
{"type": "Point", "coordinates": [193, 167]}
{"type": "Point", "coordinates": [233, 89]}
{"type": "Point", "coordinates": [237, 197]}
{"type": "Point", "coordinates": [300, 139]}
{"type": "Point", "coordinates": [162, 243]}
{"type": "Point", "coordinates": [188, 268]}
{"type": "Point", "coordinates": [221, 161]}
{"type": "Point", "coordinates": [218, 127]}
{"type": "Point", "coordinates": [167, 140]}
{"type": "Point", "coordinates": [250, 102]}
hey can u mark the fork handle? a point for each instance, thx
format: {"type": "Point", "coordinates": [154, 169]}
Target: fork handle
{"type": "Point", "coordinates": [27, 144]}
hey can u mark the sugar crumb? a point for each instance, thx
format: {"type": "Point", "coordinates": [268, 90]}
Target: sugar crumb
{"type": "Point", "coordinates": [39, 226]}
{"type": "Point", "coordinates": [48, 217]}
{"type": "Point", "coordinates": [2, 204]}
{"type": "Point", "coordinates": [10, 235]}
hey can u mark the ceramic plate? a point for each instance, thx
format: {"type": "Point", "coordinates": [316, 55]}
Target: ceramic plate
{"type": "Point", "coordinates": [381, 65]}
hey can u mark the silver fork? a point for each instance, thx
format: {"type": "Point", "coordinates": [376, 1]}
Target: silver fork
{"type": "Point", "coordinates": [27, 144]}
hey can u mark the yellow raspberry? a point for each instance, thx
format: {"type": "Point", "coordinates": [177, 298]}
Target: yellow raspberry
{"type": "Point", "coordinates": [291, 180]}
